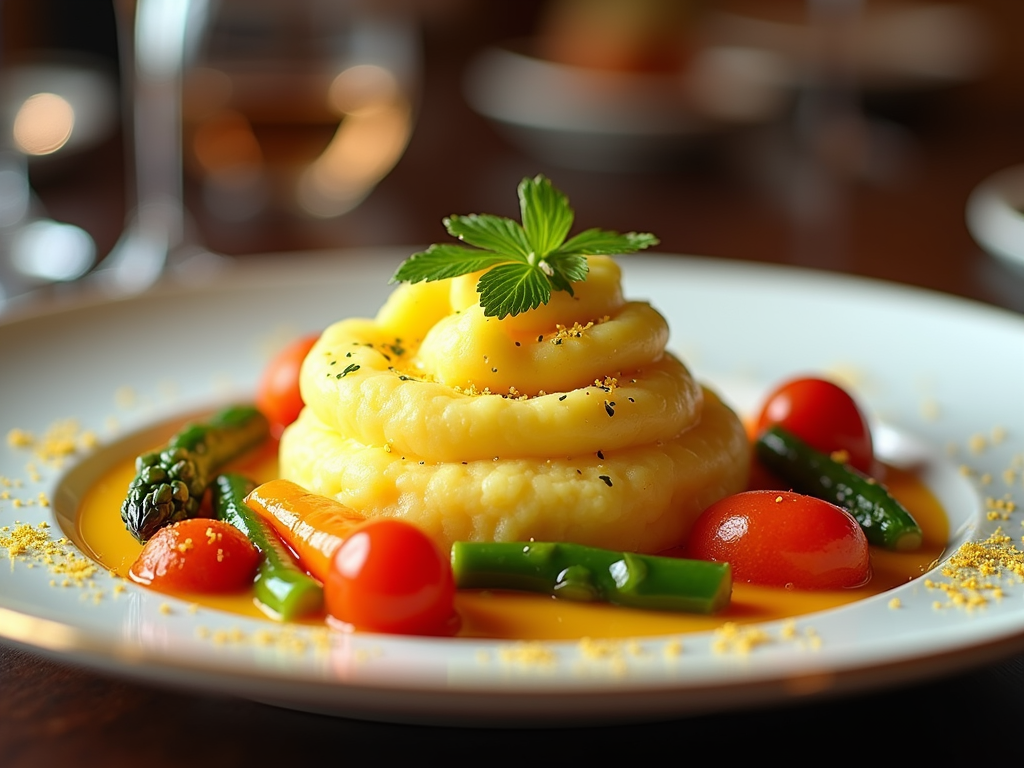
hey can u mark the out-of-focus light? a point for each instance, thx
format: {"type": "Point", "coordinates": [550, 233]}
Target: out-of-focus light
{"type": "Point", "coordinates": [43, 124]}
{"type": "Point", "coordinates": [361, 89]}
{"type": "Point", "coordinates": [234, 173]}
{"type": "Point", "coordinates": [226, 141]}
{"type": "Point", "coordinates": [373, 134]}
{"type": "Point", "coordinates": [362, 152]}
{"type": "Point", "coordinates": [52, 251]}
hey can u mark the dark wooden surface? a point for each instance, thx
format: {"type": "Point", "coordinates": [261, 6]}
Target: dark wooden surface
{"type": "Point", "coordinates": [910, 230]}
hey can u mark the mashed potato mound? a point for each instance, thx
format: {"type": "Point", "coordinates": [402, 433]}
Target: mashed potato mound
{"type": "Point", "coordinates": [568, 422]}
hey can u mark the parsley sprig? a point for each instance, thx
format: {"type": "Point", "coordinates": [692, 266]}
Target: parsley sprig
{"type": "Point", "coordinates": [521, 264]}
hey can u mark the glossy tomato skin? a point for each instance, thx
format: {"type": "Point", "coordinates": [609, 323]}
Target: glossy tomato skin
{"type": "Point", "coordinates": [197, 555]}
{"type": "Point", "coordinates": [277, 394]}
{"type": "Point", "coordinates": [823, 415]}
{"type": "Point", "coordinates": [783, 539]}
{"type": "Point", "coordinates": [389, 576]}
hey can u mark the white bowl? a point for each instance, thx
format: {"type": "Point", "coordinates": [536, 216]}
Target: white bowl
{"type": "Point", "coordinates": [995, 214]}
{"type": "Point", "coordinates": [611, 120]}
{"type": "Point", "coordinates": [896, 46]}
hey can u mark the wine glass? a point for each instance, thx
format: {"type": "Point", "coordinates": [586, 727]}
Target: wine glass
{"type": "Point", "coordinates": [839, 144]}
{"type": "Point", "coordinates": [830, 133]}
{"type": "Point", "coordinates": [251, 116]}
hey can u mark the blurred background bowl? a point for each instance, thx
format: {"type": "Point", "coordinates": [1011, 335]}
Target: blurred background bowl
{"type": "Point", "coordinates": [995, 215]}
{"type": "Point", "coordinates": [603, 119]}
{"type": "Point", "coordinates": [893, 46]}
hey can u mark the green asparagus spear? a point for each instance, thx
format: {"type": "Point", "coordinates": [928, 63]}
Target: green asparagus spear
{"type": "Point", "coordinates": [885, 521]}
{"type": "Point", "coordinates": [280, 584]}
{"type": "Point", "coordinates": [577, 572]}
{"type": "Point", "coordinates": [169, 483]}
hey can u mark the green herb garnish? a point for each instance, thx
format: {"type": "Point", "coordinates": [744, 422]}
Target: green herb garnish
{"type": "Point", "coordinates": [523, 263]}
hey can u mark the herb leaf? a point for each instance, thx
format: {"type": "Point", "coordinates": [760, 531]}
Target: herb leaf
{"type": "Point", "coordinates": [601, 242]}
{"type": "Point", "coordinates": [521, 264]}
{"type": "Point", "coordinates": [567, 268]}
{"type": "Point", "coordinates": [511, 289]}
{"type": "Point", "coordinates": [546, 214]}
{"type": "Point", "coordinates": [493, 233]}
{"type": "Point", "coordinates": [439, 262]}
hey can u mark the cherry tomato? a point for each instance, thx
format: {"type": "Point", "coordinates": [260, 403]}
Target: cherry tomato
{"type": "Point", "coordinates": [197, 555]}
{"type": "Point", "coordinates": [389, 576]}
{"type": "Point", "coordinates": [781, 538]}
{"type": "Point", "coordinates": [824, 416]}
{"type": "Point", "coordinates": [277, 394]}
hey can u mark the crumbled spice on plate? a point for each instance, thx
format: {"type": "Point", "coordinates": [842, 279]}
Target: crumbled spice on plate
{"type": "Point", "coordinates": [979, 572]}
{"type": "Point", "coordinates": [528, 654]}
{"type": "Point", "coordinates": [34, 545]}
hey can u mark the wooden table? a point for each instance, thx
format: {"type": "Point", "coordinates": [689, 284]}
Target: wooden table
{"type": "Point", "coordinates": [910, 230]}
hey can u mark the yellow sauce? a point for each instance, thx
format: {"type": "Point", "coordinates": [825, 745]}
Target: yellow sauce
{"type": "Point", "coordinates": [100, 533]}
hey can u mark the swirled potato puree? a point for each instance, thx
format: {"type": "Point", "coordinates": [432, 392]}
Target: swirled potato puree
{"type": "Point", "coordinates": [567, 423]}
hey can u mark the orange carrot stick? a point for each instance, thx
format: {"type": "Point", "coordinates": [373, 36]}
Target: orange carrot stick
{"type": "Point", "coordinates": [313, 526]}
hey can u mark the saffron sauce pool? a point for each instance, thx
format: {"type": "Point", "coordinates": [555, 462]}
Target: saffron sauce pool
{"type": "Point", "coordinates": [100, 533]}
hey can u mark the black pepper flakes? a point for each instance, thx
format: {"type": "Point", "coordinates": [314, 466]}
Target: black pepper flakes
{"type": "Point", "coordinates": [607, 480]}
{"type": "Point", "coordinates": [609, 408]}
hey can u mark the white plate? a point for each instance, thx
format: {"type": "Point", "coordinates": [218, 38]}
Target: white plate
{"type": "Point", "coordinates": [936, 371]}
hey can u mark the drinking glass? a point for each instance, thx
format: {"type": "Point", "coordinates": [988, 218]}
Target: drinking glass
{"type": "Point", "coordinates": [830, 133]}
{"type": "Point", "coordinates": [253, 118]}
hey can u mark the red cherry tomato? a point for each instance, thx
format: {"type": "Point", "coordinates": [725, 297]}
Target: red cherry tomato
{"type": "Point", "coordinates": [783, 539]}
{"type": "Point", "coordinates": [277, 394]}
{"type": "Point", "coordinates": [824, 416]}
{"type": "Point", "coordinates": [197, 555]}
{"type": "Point", "coordinates": [389, 576]}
